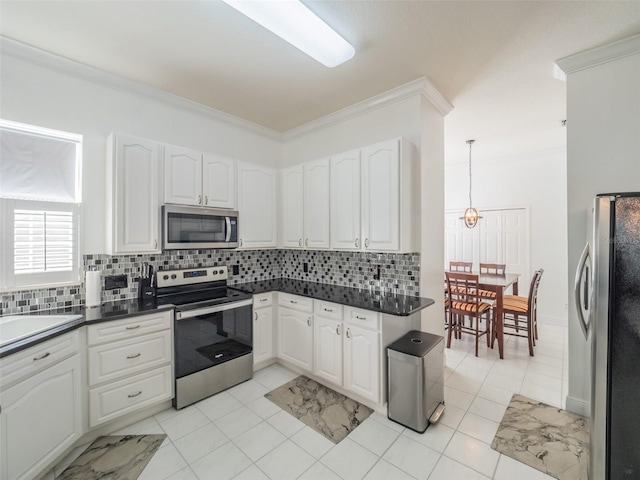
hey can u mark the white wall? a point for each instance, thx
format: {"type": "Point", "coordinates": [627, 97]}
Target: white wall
{"type": "Point", "coordinates": [603, 150]}
{"type": "Point", "coordinates": [45, 97]}
{"type": "Point", "coordinates": [537, 181]}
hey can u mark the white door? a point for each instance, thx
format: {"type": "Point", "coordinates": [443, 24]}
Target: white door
{"type": "Point", "coordinates": [295, 337]}
{"type": "Point", "coordinates": [317, 203]}
{"type": "Point", "coordinates": [345, 201]}
{"type": "Point", "coordinates": [327, 348]}
{"type": "Point", "coordinates": [292, 207]}
{"type": "Point", "coordinates": [136, 203]}
{"type": "Point", "coordinates": [262, 334]}
{"type": "Point", "coordinates": [515, 241]}
{"type": "Point", "coordinates": [256, 206]}
{"type": "Point", "coordinates": [40, 419]}
{"type": "Point", "coordinates": [460, 241]}
{"type": "Point", "coordinates": [381, 196]}
{"type": "Point", "coordinates": [490, 243]}
{"type": "Point", "coordinates": [218, 181]}
{"type": "Point", "coordinates": [362, 362]}
{"type": "Point", "coordinates": [182, 176]}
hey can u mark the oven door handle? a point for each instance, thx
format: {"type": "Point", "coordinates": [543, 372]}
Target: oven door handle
{"type": "Point", "coordinates": [227, 220]}
{"type": "Point", "coordinates": [215, 309]}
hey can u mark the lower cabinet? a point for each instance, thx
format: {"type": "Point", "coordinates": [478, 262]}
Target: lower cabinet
{"type": "Point", "coordinates": [362, 361]}
{"type": "Point", "coordinates": [295, 337]}
{"type": "Point", "coordinates": [262, 327]}
{"type": "Point", "coordinates": [129, 365]}
{"type": "Point", "coordinates": [41, 414]}
{"type": "Point", "coordinates": [328, 349]}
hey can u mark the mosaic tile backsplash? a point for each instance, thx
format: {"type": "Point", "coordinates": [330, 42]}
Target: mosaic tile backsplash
{"type": "Point", "coordinates": [398, 273]}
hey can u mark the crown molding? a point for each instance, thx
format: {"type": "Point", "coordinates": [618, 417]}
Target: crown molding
{"type": "Point", "coordinates": [67, 66]}
{"type": "Point", "coordinates": [600, 55]}
{"type": "Point", "coordinates": [421, 86]}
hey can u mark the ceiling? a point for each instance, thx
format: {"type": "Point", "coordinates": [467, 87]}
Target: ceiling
{"type": "Point", "coordinates": [493, 60]}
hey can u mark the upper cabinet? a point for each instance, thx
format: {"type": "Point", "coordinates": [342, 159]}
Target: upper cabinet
{"type": "Point", "coordinates": [305, 205]}
{"type": "Point", "coordinates": [375, 198]}
{"type": "Point", "coordinates": [133, 201]}
{"type": "Point", "coordinates": [257, 206]}
{"type": "Point", "coordinates": [194, 178]}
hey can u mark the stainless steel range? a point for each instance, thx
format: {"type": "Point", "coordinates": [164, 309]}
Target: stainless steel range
{"type": "Point", "coordinates": [212, 332]}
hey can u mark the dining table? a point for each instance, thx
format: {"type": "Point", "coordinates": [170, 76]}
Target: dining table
{"type": "Point", "coordinates": [498, 283]}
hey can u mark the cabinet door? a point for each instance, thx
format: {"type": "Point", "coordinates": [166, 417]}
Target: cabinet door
{"type": "Point", "coordinates": [295, 337]}
{"type": "Point", "coordinates": [182, 176]}
{"type": "Point", "coordinates": [134, 201]}
{"type": "Point", "coordinates": [40, 419]}
{"type": "Point", "coordinates": [218, 181]}
{"type": "Point", "coordinates": [381, 196]}
{"type": "Point", "coordinates": [345, 201]}
{"type": "Point", "coordinates": [327, 349]}
{"type": "Point", "coordinates": [292, 207]}
{"type": "Point", "coordinates": [262, 334]}
{"type": "Point", "coordinates": [316, 204]}
{"type": "Point", "coordinates": [257, 206]}
{"type": "Point", "coordinates": [362, 362]}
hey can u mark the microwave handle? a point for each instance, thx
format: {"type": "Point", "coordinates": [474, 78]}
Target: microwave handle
{"type": "Point", "coordinates": [228, 222]}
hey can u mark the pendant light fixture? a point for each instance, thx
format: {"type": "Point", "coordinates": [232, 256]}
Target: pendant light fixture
{"type": "Point", "coordinates": [471, 215]}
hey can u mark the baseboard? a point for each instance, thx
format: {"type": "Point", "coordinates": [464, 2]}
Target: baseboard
{"type": "Point", "coordinates": [551, 320]}
{"type": "Point", "coordinates": [579, 406]}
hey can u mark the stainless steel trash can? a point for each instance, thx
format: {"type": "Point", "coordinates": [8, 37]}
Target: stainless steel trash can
{"type": "Point", "coordinates": [415, 382]}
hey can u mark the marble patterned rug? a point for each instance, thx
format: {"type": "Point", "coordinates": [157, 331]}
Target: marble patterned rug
{"type": "Point", "coordinates": [116, 457]}
{"type": "Point", "coordinates": [326, 411]}
{"type": "Point", "coordinates": [547, 438]}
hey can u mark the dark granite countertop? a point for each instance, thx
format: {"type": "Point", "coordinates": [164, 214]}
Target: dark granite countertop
{"type": "Point", "coordinates": [391, 304]}
{"type": "Point", "coordinates": [104, 313]}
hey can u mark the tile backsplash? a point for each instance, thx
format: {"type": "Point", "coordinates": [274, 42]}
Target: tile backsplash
{"type": "Point", "coordinates": [399, 273]}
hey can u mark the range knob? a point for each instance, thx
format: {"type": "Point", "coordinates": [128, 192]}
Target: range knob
{"type": "Point", "coordinates": [215, 272]}
{"type": "Point", "coordinates": [165, 277]}
{"type": "Point", "coordinates": [174, 276]}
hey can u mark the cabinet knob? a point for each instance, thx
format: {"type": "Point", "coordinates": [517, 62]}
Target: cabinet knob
{"type": "Point", "coordinates": [309, 321]}
{"type": "Point", "coordinates": [240, 242]}
{"type": "Point", "coordinates": [366, 243]}
{"type": "Point", "coordinates": [306, 242]}
{"type": "Point", "coordinates": [300, 242]}
{"type": "Point", "coordinates": [255, 316]}
{"type": "Point", "coordinates": [338, 330]}
{"type": "Point", "coordinates": [206, 200]}
{"type": "Point", "coordinates": [357, 242]}
{"type": "Point", "coordinates": [199, 199]}
{"type": "Point", "coordinates": [348, 333]}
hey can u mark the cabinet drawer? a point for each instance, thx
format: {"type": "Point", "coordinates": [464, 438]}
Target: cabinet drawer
{"type": "Point", "coordinates": [112, 360]}
{"type": "Point", "coordinates": [327, 309]}
{"type": "Point", "coordinates": [24, 364]}
{"type": "Point", "coordinates": [261, 300]}
{"type": "Point", "coordinates": [304, 304]}
{"type": "Point", "coordinates": [125, 396]}
{"type": "Point", "coordinates": [363, 318]}
{"type": "Point", "coordinates": [128, 327]}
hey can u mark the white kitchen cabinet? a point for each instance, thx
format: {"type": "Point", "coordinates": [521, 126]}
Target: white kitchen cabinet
{"type": "Point", "coordinates": [292, 186]}
{"type": "Point", "coordinates": [345, 201]}
{"type": "Point", "coordinates": [41, 413]}
{"type": "Point", "coordinates": [295, 330]}
{"type": "Point", "coordinates": [129, 365]}
{"type": "Point", "coordinates": [262, 327]}
{"type": "Point", "coordinates": [327, 349]}
{"type": "Point", "coordinates": [317, 193]}
{"type": "Point", "coordinates": [257, 206]}
{"type": "Point", "coordinates": [133, 201]}
{"type": "Point", "coordinates": [375, 201]}
{"type": "Point", "coordinates": [199, 179]}
{"type": "Point", "coordinates": [362, 352]}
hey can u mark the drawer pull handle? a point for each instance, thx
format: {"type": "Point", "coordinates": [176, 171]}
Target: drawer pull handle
{"type": "Point", "coordinates": [218, 355]}
{"type": "Point", "coordinates": [337, 330]}
{"type": "Point", "coordinates": [327, 309]}
{"type": "Point", "coordinates": [133, 328]}
{"type": "Point", "coordinates": [360, 318]}
{"type": "Point", "coordinates": [348, 333]}
{"type": "Point", "coordinates": [264, 299]}
{"type": "Point", "coordinates": [35, 359]}
{"type": "Point", "coordinates": [133, 356]}
{"type": "Point", "coordinates": [293, 301]}
{"type": "Point", "coordinates": [255, 316]}
{"type": "Point", "coordinates": [132, 395]}
{"type": "Point", "coordinates": [309, 321]}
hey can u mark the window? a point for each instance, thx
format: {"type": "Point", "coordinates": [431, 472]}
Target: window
{"type": "Point", "coordinates": [40, 195]}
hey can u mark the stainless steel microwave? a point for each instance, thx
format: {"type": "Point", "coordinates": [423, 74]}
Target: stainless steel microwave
{"type": "Point", "coordinates": [186, 228]}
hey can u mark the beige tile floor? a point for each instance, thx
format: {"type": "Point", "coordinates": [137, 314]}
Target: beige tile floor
{"type": "Point", "coordinates": [238, 434]}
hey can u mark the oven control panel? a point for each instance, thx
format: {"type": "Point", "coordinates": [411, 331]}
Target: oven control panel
{"type": "Point", "coordinates": [190, 276]}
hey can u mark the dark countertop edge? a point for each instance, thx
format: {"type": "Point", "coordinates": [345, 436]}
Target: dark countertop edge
{"type": "Point", "coordinates": [102, 316]}
{"type": "Point", "coordinates": [276, 285]}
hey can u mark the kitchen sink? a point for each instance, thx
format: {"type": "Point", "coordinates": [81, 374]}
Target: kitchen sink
{"type": "Point", "coordinates": [16, 327]}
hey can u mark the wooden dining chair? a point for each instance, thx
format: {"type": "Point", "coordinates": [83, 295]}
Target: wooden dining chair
{"type": "Point", "coordinates": [514, 307]}
{"type": "Point", "coordinates": [464, 302]}
{"type": "Point", "coordinates": [492, 268]}
{"type": "Point", "coordinates": [460, 267]}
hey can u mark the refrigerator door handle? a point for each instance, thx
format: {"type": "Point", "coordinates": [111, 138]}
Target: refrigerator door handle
{"type": "Point", "coordinates": [582, 266]}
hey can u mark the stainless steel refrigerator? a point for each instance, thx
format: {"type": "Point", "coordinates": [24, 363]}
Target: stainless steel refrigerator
{"type": "Point", "coordinates": [608, 302]}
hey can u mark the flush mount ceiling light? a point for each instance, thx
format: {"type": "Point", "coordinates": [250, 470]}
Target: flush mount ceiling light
{"type": "Point", "coordinates": [471, 215]}
{"type": "Point", "coordinates": [294, 22]}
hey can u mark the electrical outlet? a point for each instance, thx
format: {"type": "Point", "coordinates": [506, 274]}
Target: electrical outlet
{"type": "Point", "coordinates": [235, 269]}
{"type": "Point", "coordinates": [305, 267]}
{"type": "Point", "coordinates": [376, 273]}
